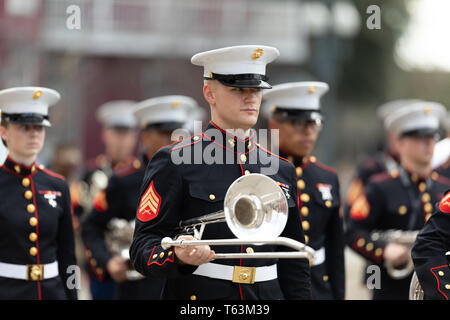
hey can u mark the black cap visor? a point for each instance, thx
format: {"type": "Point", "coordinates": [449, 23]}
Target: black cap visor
{"type": "Point", "coordinates": [420, 133]}
{"type": "Point", "coordinates": [35, 119]}
{"type": "Point", "coordinates": [165, 126]}
{"type": "Point", "coordinates": [298, 114]}
{"type": "Point", "coordinates": [247, 80]}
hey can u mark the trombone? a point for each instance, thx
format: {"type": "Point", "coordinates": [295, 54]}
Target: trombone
{"type": "Point", "coordinates": [256, 211]}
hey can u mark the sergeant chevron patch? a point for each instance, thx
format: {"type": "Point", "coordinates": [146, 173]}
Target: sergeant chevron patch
{"type": "Point", "coordinates": [444, 205]}
{"type": "Point", "coordinates": [149, 205]}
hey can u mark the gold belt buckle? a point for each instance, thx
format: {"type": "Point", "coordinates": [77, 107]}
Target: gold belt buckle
{"type": "Point", "coordinates": [35, 272]}
{"type": "Point", "coordinates": [244, 274]}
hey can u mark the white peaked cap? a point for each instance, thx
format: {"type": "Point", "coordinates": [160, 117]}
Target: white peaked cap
{"type": "Point", "coordinates": [28, 100]}
{"type": "Point", "coordinates": [174, 108]}
{"type": "Point", "coordinates": [117, 113]}
{"type": "Point", "coordinates": [236, 60]}
{"type": "Point", "coordinates": [296, 95]}
{"type": "Point", "coordinates": [389, 107]}
{"type": "Point", "coordinates": [421, 115]}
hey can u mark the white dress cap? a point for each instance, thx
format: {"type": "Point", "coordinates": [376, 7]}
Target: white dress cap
{"type": "Point", "coordinates": [28, 105]}
{"type": "Point", "coordinates": [387, 108]}
{"type": "Point", "coordinates": [118, 113]}
{"type": "Point", "coordinates": [418, 116]}
{"type": "Point", "coordinates": [296, 95]}
{"type": "Point", "coordinates": [166, 109]}
{"type": "Point", "coordinates": [238, 66]}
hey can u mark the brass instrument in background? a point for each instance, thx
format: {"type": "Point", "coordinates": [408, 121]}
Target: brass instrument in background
{"type": "Point", "coordinates": [97, 182]}
{"type": "Point", "coordinates": [256, 211]}
{"type": "Point", "coordinates": [405, 237]}
{"type": "Point", "coordinates": [415, 289]}
{"type": "Point", "coordinates": [118, 240]}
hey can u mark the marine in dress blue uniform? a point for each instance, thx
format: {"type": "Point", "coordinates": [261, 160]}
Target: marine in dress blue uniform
{"type": "Point", "coordinates": [119, 135]}
{"type": "Point", "coordinates": [431, 253]}
{"type": "Point", "coordinates": [181, 183]}
{"type": "Point", "coordinates": [36, 233]}
{"type": "Point", "coordinates": [317, 184]}
{"type": "Point", "coordinates": [157, 116]}
{"type": "Point", "coordinates": [400, 200]}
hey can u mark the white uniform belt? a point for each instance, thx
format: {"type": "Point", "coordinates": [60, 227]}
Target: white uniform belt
{"type": "Point", "coordinates": [32, 272]}
{"type": "Point", "coordinates": [319, 256]}
{"type": "Point", "coordinates": [240, 274]}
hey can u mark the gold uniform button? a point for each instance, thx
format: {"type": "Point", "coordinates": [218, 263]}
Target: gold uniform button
{"type": "Point", "coordinates": [301, 184]}
{"type": "Point", "coordinates": [428, 207]}
{"type": "Point", "coordinates": [212, 197]}
{"type": "Point", "coordinates": [193, 297]}
{"type": "Point", "coordinates": [312, 159]}
{"type": "Point", "coordinates": [304, 211]}
{"type": "Point", "coordinates": [426, 197]}
{"type": "Point", "coordinates": [402, 210]}
{"type": "Point", "coordinates": [88, 253]}
{"type": "Point", "coordinates": [93, 262]}
{"type": "Point", "coordinates": [434, 175]}
{"type": "Point", "coordinates": [33, 251]}
{"type": "Point", "coordinates": [154, 256]}
{"type": "Point", "coordinates": [328, 204]}
{"type": "Point", "coordinates": [427, 217]}
{"type": "Point", "coordinates": [249, 145]}
{"type": "Point", "coordinates": [325, 278]}
{"type": "Point", "coordinates": [441, 273]}
{"type": "Point", "coordinates": [196, 138]}
{"type": "Point", "coordinates": [17, 168]}
{"type": "Point", "coordinates": [422, 186]}
{"type": "Point", "coordinates": [305, 225]}
{"type": "Point", "coordinates": [304, 197]}
{"type": "Point", "coordinates": [250, 250]}
{"type": "Point", "coordinates": [26, 182]}
{"type": "Point", "coordinates": [33, 237]}
{"type": "Point", "coordinates": [243, 158]}
{"type": "Point", "coordinates": [299, 171]}
{"type": "Point", "coordinates": [378, 252]}
{"type": "Point", "coordinates": [33, 221]}
{"type": "Point", "coordinates": [306, 239]}
{"type": "Point", "coordinates": [28, 195]}
{"type": "Point", "coordinates": [170, 253]}
{"type": "Point", "coordinates": [361, 242]}
{"type": "Point", "coordinates": [247, 172]}
{"type": "Point", "coordinates": [31, 208]}
{"type": "Point", "coordinates": [161, 255]}
{"type": "Point", "coordinates": [447, 286]}
{"type": "Point", "coordinates": [369, 246]}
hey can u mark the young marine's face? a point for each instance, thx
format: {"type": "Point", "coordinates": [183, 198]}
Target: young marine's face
{"type": "Point", "coordinates": [297, 138]}
{"type": "Point", "coordinates": [416, 149]}
{"type": "Point", "coordinates": [24, 141]}
{"type": "Point", "coordinates": [119, 143]}
{"type": "Point", "coordinates": [233, 108]}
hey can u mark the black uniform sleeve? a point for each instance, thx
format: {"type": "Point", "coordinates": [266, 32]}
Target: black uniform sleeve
{"type": "Point", "coordinates": [107, 205]}
{"type": "Point", "coordinates": [334, 248]}
{"type": "Point", "coordinates": [428, 254]}
{"type": "Point", "coordinates": [363, 218]}
{"type": "Point", "coordinates": [294, 274]}
{"type": "Point", "coordinates": [66, 245]}
{"type": "Point", "coordinates": [164, 185]}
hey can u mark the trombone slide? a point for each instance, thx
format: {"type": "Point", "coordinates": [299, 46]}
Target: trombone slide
{"type": "Point", "coordinates": [302, 250]}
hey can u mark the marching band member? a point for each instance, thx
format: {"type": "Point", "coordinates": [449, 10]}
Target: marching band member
{"type": "Point", "coordinates": [36, 233]}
